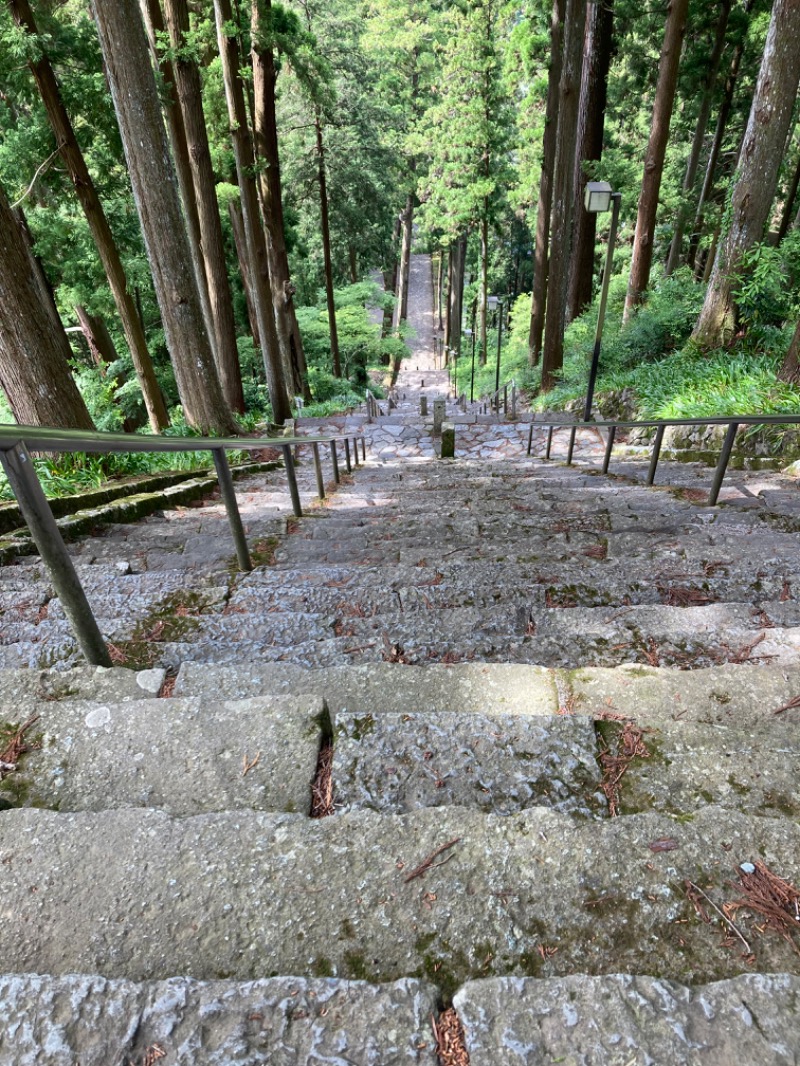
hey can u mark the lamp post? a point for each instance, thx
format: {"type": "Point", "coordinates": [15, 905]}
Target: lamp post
{"type": "Point", "coordinates": [471, 333]}
{"type": "Point", "coordinates": [497, 302]}
{"type": "Point", "coordinates": [597, 198]}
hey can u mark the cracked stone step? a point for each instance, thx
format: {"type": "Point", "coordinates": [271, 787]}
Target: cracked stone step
{"type": "Point", "coordinates": [285, 1021]}
{"type": "Point", "coordinates": [184, 756]}
{"type": "Point", "coordinates": [622, 1019]}
{"type": "Point", "coordinates": [499, 763]}
{"type": "Point", "coordinates": [244, 893]}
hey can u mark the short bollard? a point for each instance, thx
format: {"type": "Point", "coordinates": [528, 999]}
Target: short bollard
{"type": "Point", "coordinates": [423, 406]}
{"type": "Point", "coordinates": [448, 440]}
{"type": "Point", "coordinates": [438, 416]}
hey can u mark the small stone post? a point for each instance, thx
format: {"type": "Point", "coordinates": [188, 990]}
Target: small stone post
{"type": "Point", "coordinates": [423, 406]}
{"type": "Point", "coordinates": [438, 416]}
{"type": "Point", "coordinates": [448, 440]}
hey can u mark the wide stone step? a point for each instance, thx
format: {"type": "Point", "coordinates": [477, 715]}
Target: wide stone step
{"type": "Point", "coordinates": [624, 1019]}
{"type": "Point", "coordinates": [449, 893]}
{"type": "Point", "coordinates": [21, 688]}
{"type": "Point", "coordinates": [184, 756]}
{"type": "Point", "coordinates": [285, 1021]}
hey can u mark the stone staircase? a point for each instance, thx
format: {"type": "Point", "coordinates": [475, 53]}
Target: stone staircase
{"type": "Point", "coordinates": [494, 735]}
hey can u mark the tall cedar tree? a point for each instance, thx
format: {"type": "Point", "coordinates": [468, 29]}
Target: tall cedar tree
{"type": "Point", "coordinates": [563, 189]}
{"type": "Point", "coordinates": [265, 76]}
{"type": "Point", "coordinates": [251, 220]}
{"type": "Point", "coordinates": [594, 93]}
{"type": "Point", "coordinates": [187, 81]}
{"type": "Point", "coordinates": [757, 174]}
{"type": "Point", "coordinates": [656, 152]}
{"type": "Point", "coordinates": [541, 257]}
{"type": "Point", "coordinates": [34, 350]}
{"type": "Point", "coordinates": [85, 190]}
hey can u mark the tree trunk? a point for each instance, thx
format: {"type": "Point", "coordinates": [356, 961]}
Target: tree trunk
{"type": "Point", "coordinates": [154, 23]}
{"type": "Point", "coordinates": [457, 292]}
{"type": "Point", "coordinates": [102, 236]}
{"type": "Point", "coordinates": [46, 291]}
{"type": "Point", "coordinates": [326, 246]}
{"type": "Point", "coordinates": [406, 222]}
{"type": "Point", "coordinates": [133, 89]}
{"type": "Point", "coordinates": [98, 339]}
{"type": "Point", "coordinates": [353, 257]}
{"type": "Point", "coordinates": [254, 233]}
{"type": "Point", "coordinates": [594, 92]}
{"type": "Point", "coordinates": [448, 304]}
{"type": "Point", "coordinates": [542, 239]}
{"type": "Point", "coordinates": [719, 135]}
{"type": "Point", "coordinates": [34, 350]}
{"type": "Point", "coordinates": [439, 290]}
{"type": "Point", "coordinates": [790, 370]}
{"type": "Point", "coordinates": [563, 189]}
{"type": "Point", "coordinates": [187, 81]}
{"type": "Point", "coordinates": [791, 194]}
{"type": "Point", "coordinates": [239, 239]}
{"type": "Point", "coordinates": [656, 151]}
{"type": "Point", "coordinates": [390, 281]}
{"type": "Point", "coordinates": [693, 162]}
{"type": "Point", "coordinates": [757, 173]}
{"type": "Point", "coordinates": [266, 135]}
{"type": "Point", "coordinates": [484, 289]}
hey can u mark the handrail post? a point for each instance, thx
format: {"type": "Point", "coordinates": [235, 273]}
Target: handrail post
{"type": "Point", "coordinates": [228, 493]}
{"type": "Point", "coordinates": [530, 439]}
{"type": "Point", "coordinates": [722, 465]}
{"type": "Point", "coordinates": [347, 462]}
{"type": "Point", "coordinates": [612, 432]}
{"type": "Point", "coordinates": [364, 448]}
{"type": "Point", "coordinates": [318, 471]}
{"type": "Point", "coordinates": [549, 442]}
{"type": "Point", "coordinates": [335, 463]}
{"type": "Point", "coordinates": [571, 448]}
{"type": "Point", "coordinates": [356, 460]}
{"type": "Point", "coordinates": [513, 399]}
{"type": "Point", "coordinates": [291, 477]}
{"type": "Point", "coordinates": [505, 399]}
{"type": "Point", "coordinates": [46, 535]}
{"type": "Point", "coordinates": [651, 473]}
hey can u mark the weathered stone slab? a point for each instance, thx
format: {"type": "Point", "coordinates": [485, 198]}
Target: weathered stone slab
{"type": "Point", "coordinates": [141, 895]}
{"type": "Point", "coordinates": [621, 1020]}
{"type": "Point", "coordinates": [19, 688]}
{"type": "Point", "coordinates": [183, 756]}
{"type": "Point", "coordinates": [283, 1021]}
{"type": "Point", "coordinates": [500, 764]}
{"type": "Point", "coordinates": [448, 440]}
{"type": "Point", "coordinates": [382, 687]}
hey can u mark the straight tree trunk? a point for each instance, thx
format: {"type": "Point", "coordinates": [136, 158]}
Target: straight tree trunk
{"type": "Point", "coordinates": [790, 370]}
{"type": "Point", "coordinates": [457, 292]}
{"type": "Point", "coordinates": [791, 195]}
{"type": "Point", "coordinates": [73, 160]}
{"type": "Point", "coordinates": [716, 144]}
{"type": "Point", "coordinates": [240, 241]}
{"type": "Point", "coordinates": [439, 290]}
{"type": "Point", "coordinates": [563, 192]}
{"type": "Point", "coordinates": [757, 173]}
{"type": "Point", "coordinates": [326, 245]}
{"type": "Point", "coordinates": [656, 151]}
{"type": "Point", "coordinates": [46, 291]}
{"type": "Point", "coordinates": [154, 24]}
{"type": "Point", "coordinates": [448, 304]}
{"type": "Point", "coordinates": [483, 295]}
{"type": "Point", "coordinates": [541, 256]}
{"type": "Point", "coordinates": [407, 223]}
{"type": "Point", "coordinates": [693, 162]}
{"type": "Point", "coordinates": [254, 232]}
{"type": "Point", "coordinates": [98, 339]}
{"type": "Point", "coordinates": [187, 81]}
{"type": "Point", "coordinates": [390, 281]}
{"type": "Point", "coordinates": [133, 89]}
{"type": "Point", "coordinates": [265, 76]}
{"type": "Point", "coordinates": [34, 350]}
{"type": "Point", "coordinates": [594, 93]}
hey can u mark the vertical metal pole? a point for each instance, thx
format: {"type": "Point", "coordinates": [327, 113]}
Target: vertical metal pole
{"type": "Point", "coordinates": [364, 449]}
{"type": "Point", "coordinates": [571, 448]}
{"type": "Point", "coordinates": [513, 399]}
{"type": "Point", "coordinates": [505, 399]}
{"type": "Point", "coordinates": [35, 509]}
{"type": "Point", "coordinates": [499, 343]}
{"type": "Point", "coordinates": [601, 314]}
{"type": "Point", "coordinates": [549, 442]}
{"type": "Point", "coordinates": [530, 438]}
{"type": "Point", "coordinates": [347, 462]}
{"type": "Point", "coordinates": [722, 465]}
{"type": "Point", "coordinates": [612, 432]}
{"type": "Point", "coordinates": [335, 462]}
{"type": "Point", "coordinates": [356, 460]}
{"type": "Point", "coordinates": [651, 473]}
{"type": "Point", "coordinates": [318, 471]}
{"type": "Point", "coordinates": [228, 494]}
{"type": "Point", "coordinates": [291, 477]}
{"type": "Point", "coordinates": [472, 375]}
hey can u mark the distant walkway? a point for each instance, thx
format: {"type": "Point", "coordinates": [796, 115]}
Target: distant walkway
{"type": "Point", "coordinates": [421, 365]}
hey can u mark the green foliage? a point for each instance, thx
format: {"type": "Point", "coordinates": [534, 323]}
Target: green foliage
{"type": "Point", "coordinates": [767, 291]}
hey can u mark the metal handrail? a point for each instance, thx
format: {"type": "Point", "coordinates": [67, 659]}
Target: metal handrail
{"type": "Point", "coordinates": [15, 459]}
{"type": "Point", "coordinates": [494, 398]}
{"type": "Point", "coordinates": [660, 425]}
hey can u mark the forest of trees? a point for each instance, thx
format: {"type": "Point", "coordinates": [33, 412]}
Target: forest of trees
{"type": "Point", "coordinates": [196, 196]}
